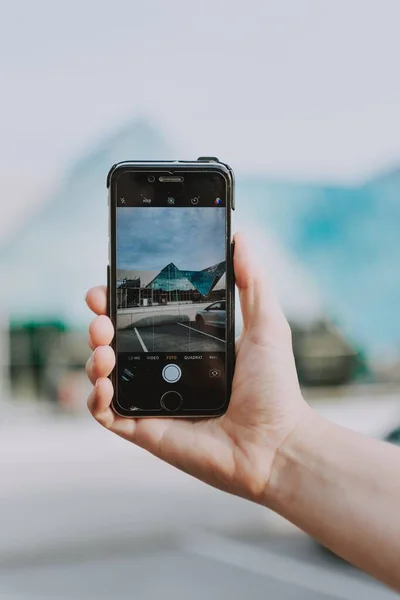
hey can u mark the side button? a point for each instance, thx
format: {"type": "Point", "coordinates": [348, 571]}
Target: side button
{"type": "Point", "coordinates": [108, 291]}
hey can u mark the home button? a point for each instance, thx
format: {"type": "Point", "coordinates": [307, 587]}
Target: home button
{"type": "Point", "coordinates": [171, 401]}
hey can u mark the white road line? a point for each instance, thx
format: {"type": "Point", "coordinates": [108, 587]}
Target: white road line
{"type": "Point", "coordinates": [139, 337]}
{"type": "Point", "coordinates": [202, 332]}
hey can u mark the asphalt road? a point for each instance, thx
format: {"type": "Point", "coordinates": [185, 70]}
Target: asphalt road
{"type": "Point", "coordinates": [85, 515]}
{"type": "Point", "coordinates": [174, 337]}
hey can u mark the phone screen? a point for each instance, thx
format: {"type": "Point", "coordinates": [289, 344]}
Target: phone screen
{"type": "Point", "coordinates": [170, 265]}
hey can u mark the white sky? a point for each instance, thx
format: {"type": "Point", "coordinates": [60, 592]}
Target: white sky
{"type": "Point", "coordinates": [305, 88]}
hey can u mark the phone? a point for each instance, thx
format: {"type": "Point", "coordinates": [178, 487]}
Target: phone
{"type": "Point", "coordinates": [171, 287]}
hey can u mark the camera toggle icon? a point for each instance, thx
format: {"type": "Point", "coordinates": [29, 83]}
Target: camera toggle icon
{"type": "Point", "coordinates": [215, 373]}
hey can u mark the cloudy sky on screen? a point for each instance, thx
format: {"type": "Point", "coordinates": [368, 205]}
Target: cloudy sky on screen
{"type": "Point", "coordinates": [150, 238]}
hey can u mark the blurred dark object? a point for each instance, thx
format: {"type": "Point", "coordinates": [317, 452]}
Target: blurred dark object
{"type": "Point", "coordinates": [393, 437]}
{"type": "Point", "coordinates": [323, 356]}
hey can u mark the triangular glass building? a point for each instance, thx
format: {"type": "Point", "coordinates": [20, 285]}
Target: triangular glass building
{"type": "Point", "coordinates": [335, 258]}
{"type": "Point", "coordinates": [172, 279]}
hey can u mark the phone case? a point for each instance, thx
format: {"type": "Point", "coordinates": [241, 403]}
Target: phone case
{"type": "Point", "coordinates": [211, 164]}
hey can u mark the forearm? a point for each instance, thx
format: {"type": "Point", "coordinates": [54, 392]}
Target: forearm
{"type": "Point", "coordinates": [344, 490]}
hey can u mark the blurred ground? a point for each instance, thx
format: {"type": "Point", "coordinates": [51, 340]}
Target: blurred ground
{"type": "Point", "coordinates": [87, 515]}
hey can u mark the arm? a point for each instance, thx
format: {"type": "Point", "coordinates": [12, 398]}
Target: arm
{"type": "Point", "coordinates": [344, 490]}
{"type": "Point", "coordinates": [269, 446]}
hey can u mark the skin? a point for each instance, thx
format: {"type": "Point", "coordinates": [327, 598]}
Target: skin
{"type": "Point", "coordinates": [270, 446]}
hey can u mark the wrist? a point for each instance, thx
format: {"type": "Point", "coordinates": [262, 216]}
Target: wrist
{"type": "Point", "coordinates": [299, 447]}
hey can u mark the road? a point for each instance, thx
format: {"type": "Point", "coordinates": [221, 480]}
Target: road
{"type": "Point", "coordinates": [174, 337]}
{"type": "Point", "coordinates": [85, 515]}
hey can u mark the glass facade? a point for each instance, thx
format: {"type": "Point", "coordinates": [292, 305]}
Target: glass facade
{"type": "Point", "coordinates": [173, 279]}
{"type": "Point", "coordinates": [171, 285]}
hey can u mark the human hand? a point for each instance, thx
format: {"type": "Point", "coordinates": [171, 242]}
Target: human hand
{"type": "Point", "coordinates": [234, 452]}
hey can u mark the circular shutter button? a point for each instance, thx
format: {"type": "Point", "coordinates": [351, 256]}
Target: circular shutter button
{"type": "Point", "coordinates": [171, 373]}
{"type": "Point", "coordinates": [171, 401]}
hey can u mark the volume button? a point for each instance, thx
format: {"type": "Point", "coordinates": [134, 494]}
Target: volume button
{"type": "Point", "coordinates": [108, 292]}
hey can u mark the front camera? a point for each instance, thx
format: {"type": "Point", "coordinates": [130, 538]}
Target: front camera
{"type": "Point", "coordinates": [151, 179]}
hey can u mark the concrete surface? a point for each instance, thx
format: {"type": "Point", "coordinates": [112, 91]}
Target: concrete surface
{"type": "Point", "coordinates": [177, 337]}
{"type": "Point", "coordinates": [87, 515]}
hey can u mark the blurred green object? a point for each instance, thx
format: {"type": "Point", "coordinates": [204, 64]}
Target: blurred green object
{"type": "Point", "coordinates": [39, 353]}
{"type": "Point", "coordinates": [394, 437]}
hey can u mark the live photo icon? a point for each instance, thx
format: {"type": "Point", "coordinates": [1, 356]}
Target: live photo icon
{"type": "Point", "coordinates": [218, 201]}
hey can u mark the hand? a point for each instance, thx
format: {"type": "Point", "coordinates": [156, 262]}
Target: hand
{"type": "Point", "coordinates": [234, 452]}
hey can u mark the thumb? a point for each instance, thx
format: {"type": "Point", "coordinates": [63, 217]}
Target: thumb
{"type": "Point", "coordinates": [260, 306]}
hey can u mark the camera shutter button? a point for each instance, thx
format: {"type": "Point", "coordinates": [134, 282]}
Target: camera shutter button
{"type": "Point", "coordinates": [171, 373]}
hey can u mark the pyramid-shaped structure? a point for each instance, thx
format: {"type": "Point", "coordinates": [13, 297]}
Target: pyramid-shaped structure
{"type": "Point", "coordinates": [171, 278]}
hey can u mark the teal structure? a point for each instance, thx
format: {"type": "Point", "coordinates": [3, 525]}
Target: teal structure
{"type": "Point", "coordinates": [171, 278]}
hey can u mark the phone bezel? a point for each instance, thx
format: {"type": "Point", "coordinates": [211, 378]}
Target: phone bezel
{"type": "Point", "coordinates": [174, 167]}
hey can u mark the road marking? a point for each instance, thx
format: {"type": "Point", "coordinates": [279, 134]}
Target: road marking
{"type": "Point", "coordinates": [202, 333]}
{"type": "Point", "coordinates": [139, 337]}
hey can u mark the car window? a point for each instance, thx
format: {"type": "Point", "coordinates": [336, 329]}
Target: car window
{"type": "Point", "coordinates": [216, 306]}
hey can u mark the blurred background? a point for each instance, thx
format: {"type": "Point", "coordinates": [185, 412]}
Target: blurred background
{"type": "Point", "coordinates": [303, 100]}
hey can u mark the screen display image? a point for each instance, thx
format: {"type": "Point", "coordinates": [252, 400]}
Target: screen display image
{"type": "Point", "coordinates": [171, 282]}
{"type": "Point", "coordinates": [171, 295]}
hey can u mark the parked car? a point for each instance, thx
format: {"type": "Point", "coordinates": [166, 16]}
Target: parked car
{"type": "Point", "coordinates": [212, 316]}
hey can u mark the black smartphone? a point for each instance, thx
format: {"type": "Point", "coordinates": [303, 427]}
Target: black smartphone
{"type": "Point", "coordinates": [171, 287]}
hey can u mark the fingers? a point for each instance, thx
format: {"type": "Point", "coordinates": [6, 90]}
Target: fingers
{"type": "Point", "coordinates": [101, 363]}
{"type": "Point", "coordinates": [99, 403]}
{"type": "Point", "coordinates": [101, 332]}
{"type": "Point", "coordinates": [260, 306]}
{"type": "Point", "coordinates": [96, 299]}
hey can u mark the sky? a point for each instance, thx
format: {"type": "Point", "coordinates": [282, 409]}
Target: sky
{"type": "Point", "coordinates": [304, 89]}
{"type": "Point", "coordinates": [150, 238]}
